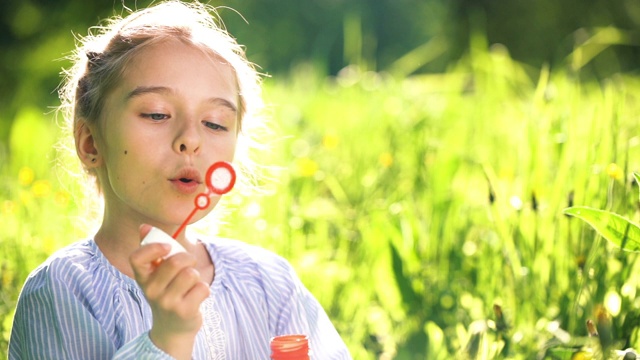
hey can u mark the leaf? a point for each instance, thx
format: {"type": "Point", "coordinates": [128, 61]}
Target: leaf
{"type": "Point", "coordinates": [613, 227]}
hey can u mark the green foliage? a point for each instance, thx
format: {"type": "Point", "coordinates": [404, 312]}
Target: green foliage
{"type": "Point", "coordinates": [613, 227]}
{"type": "Point", "coordinates": [425, 213]}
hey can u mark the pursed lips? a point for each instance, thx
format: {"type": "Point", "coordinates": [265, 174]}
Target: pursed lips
{"type": "Point", "coordinates": [187, 180]}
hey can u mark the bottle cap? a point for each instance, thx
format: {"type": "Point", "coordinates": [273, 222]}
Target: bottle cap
{"type": "Point", "coordinates": [290, 347]}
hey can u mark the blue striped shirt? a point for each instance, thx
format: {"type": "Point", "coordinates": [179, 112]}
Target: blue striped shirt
{"type": "Point", "coordinates": [76, 305]}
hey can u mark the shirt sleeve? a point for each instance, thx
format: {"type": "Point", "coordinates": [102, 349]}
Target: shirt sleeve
{"type": "Point", "coordinates": [141, 348]}
{"type": "Point", "coordinates": [305, 315]}
{"type": "Point", "coordinates": [52, 322]}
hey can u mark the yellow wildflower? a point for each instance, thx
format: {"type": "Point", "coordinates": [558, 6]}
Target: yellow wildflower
{"type": "Point", "coordinates": [48, 244]}
{"type": "Point", "coordinates": [7, 275]}
{"type": "Point", "coordinates": [61, 198]}
{"type": "Point", "coordinates": [307, 167]}
{"type": "Point", "coordinates": [615, 172]}
{"type": "Point", "coordinates": [330, 141]}
{"type": "Point", "coordinates": [25, 176]}
{"type": "Point", "coordinates": [41, 188]}
{"type": "Point", "coordinates": [385, 159]}
{"type": "Point", "coordinates": [582, 355]}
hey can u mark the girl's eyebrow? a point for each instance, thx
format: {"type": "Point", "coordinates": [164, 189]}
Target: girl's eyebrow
{"type": "Point", "coordinates": [163, 90]}
{"type": "Point", "coordinates": [223, 102]}
{"type": "Point", "coordinates": [141, 90]}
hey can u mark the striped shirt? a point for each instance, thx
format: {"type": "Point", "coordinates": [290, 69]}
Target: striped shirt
{"type": "Point", "coordinates": [76, 305]}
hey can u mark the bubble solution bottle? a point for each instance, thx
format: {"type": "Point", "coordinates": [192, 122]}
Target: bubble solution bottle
{"type": "Point", "coordinates": [290, 347]}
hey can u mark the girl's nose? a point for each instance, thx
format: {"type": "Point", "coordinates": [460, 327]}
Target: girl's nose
{"type": "Point", "coordinates": [188, 140]}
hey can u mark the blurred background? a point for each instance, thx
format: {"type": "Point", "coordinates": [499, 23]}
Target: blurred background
{"type": "Point", "coordinates": [428, 147]}
{"type": "Point", "coordinates": [377, 35]}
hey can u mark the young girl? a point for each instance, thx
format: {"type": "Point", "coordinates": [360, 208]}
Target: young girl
{"type": "Point", "coordinates": [155, 99]}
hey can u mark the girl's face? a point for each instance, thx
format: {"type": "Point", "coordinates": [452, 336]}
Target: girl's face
{"type": "Point", "coordinates": [172, 115]}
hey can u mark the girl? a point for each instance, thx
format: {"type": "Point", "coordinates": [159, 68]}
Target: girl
{"type": "Point", "coordinates": [155, 99]}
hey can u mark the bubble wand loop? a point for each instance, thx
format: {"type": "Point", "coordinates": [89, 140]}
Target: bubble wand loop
{"type": "Point", "coordinates": [220, 179]}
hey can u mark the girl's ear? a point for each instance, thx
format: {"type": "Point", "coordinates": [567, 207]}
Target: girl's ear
{"type": "Point", "coordinates": [86, 145]}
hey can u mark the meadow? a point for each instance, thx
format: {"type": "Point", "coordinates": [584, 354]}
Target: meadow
{"type": "Point", "coordinates": [425, 212]}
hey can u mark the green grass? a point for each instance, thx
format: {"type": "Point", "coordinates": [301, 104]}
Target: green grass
{"type": "Point", "coordinates": [417, 210]}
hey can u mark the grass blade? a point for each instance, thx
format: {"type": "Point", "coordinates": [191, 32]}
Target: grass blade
{"type": "Point", "coordinates": [637, 177]}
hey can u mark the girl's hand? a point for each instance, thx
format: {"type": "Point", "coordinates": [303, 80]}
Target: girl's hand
{"type": "Point", "coordinates": [174, 290]}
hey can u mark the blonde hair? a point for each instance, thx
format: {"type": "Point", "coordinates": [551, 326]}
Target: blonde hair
{"type": "Point", "coordinates": [101, 58]}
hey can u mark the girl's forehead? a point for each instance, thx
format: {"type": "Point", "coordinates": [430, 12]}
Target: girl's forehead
{"type": "Point", "coordinates": [175, 60]}
{"type": "Point", "coordinates": [178, 48]}
{"type": "Point", "coordinates": [181, 67]}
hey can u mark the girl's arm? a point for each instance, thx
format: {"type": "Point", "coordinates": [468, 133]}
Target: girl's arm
{"type": "Point", "coordinates": [52, 322]}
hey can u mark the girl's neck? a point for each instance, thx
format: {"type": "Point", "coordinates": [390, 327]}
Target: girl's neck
{"type": "Point", "coordinates": [120, 235]}
{"type": "Point", "coordinates": [116, 245]}
{"type": "Point", "coordinates": [118, 242]}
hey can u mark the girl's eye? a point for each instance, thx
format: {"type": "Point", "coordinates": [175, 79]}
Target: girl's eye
{"type": "Point", "coordinates": [156, 116]}
{"type": "Point", "coordinates": [214, 126]}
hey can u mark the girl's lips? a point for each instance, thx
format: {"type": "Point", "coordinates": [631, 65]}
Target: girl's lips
{"type": "Point", "coordinates": [185, 187]}
{"type": "Point", "coordinates": [187, 180]}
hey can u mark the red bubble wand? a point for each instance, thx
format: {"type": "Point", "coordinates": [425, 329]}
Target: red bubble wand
{"type": "Point", "coordinates": [220, 179]}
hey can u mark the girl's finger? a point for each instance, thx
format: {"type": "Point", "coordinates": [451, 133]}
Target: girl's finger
{"type": "Point", "coordinates": [173, 298]}
{"type": "Point", "coordinates": [143, 260]}
{"type": "Point", "coordinates": [166, 272]}
{"type": "Point", "coordinates": [196, 295]}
